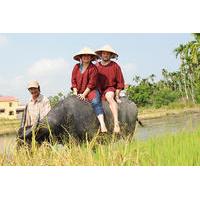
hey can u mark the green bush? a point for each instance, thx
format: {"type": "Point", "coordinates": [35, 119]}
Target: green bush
{"type": "Point", "coordinates": [148, 93]}
{"type": "Point", "coordinates": [164, 97]}
{"type": "Point", "coordinates": [140, 94]}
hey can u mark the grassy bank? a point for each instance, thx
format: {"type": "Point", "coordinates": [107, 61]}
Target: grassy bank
{"type": "Point", "coordinates": [179, 149]}
{"type": "Point", "coordinates": [8, 126]}
{"type": "Point", "coordinates": [172, 109]}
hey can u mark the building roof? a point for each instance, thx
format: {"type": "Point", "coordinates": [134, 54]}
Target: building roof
{"type": "Point", "coordinates": [7, 98]}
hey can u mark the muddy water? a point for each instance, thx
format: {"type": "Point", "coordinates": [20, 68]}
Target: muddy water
{"type": "Point", "coordinates": [152, 128]}
{"type": "Point", "coordinates": [168, 124]}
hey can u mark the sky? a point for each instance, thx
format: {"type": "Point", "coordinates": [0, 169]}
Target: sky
{"type": "Point", "coordinates": [48, 58]}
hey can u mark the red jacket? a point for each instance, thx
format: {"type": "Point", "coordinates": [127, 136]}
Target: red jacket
{"type": "Point", "coordinates": [87, 79]}
{"type": "Point", "coordinates": [110, 76]}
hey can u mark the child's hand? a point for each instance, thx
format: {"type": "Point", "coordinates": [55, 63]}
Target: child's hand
{"type": "Point", "coordinates": [82, 97]}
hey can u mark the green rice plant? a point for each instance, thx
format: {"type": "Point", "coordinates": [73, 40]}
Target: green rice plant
{"type": "Point", "coordinates": [181, 149]}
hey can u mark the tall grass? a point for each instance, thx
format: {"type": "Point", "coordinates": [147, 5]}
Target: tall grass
{"type": "Point", "coordinates": [181, 149]}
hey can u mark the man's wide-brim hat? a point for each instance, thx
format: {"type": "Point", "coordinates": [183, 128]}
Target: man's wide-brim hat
{"type": "Point", "coordinates": [107, 48]}
{"type": "Point", "coordinates": [85, 51]}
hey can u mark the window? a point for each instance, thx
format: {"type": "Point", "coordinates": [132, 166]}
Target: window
{"type": "Point", "coordinates": [11, 113]}
{"type": "Point", "coordinates": [10, 104]}
{"type": "Point", "coordinates": [2, 111]}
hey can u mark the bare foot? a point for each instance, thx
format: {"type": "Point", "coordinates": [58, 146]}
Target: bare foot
{"type": "Point", "coordinates": [104, 130]}
{"type": "Point", "coordinates": [116, 129]}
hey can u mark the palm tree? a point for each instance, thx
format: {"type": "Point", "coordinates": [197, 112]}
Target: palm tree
{"type": "Point", "coordinates": [165, 75]}
{"type": "Point", "coordinates": [177, 77]}
{"type": "Point", "coordinates": [189, 54]}
{"type": "Point", "coordinates": [152, 77]}
{"type": "Point", "coordinates": [192, 59]}
{"type": "Point", "coordinates": [180, 51]}
{"type": "Point", "coordinates": [137, 79]}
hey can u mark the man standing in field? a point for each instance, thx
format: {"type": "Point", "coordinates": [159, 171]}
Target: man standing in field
{"type": "Point", "coordinates": [110, 81]}
{"type": "Point", "coordinates": [37, 107]}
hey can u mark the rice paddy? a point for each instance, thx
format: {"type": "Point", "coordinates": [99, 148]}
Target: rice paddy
{"type": "Point", "coordinates": [182, 149]}
{"type": "Point", "coordinates": [166, 149]}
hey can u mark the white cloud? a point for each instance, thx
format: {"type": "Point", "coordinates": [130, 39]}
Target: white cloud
{"type": "Point", "coordinates": [52, 74]}
{"type": "Point", "coordinates": [3, 39]}
{"type": "Point", "coordinates": [46, 67]}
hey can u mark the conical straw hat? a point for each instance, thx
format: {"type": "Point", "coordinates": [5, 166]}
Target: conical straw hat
{"type": "Point", "coordinates": [84, 51]}
{"type": "Point", "coordinates": [107, 48]}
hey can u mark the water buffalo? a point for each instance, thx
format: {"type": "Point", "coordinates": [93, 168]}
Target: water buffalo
{"type": "Point", "coordinates": [74, 117]}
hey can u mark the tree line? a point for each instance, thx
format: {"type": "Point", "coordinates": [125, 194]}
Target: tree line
{"type": "Point", "coordinates": [181, 85]}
